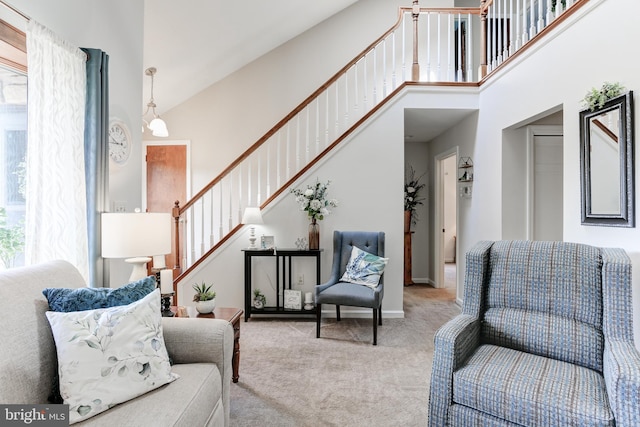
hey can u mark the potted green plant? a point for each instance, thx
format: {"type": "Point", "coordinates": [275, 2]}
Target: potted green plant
{"type": "Point", "coordinates": [597, 97]}
{"type": "Point", "coordinates": [204, 297]}
{"type": "Point", "coordinates": [259, 300]}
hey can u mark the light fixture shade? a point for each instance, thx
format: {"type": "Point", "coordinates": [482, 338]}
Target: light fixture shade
{"type": "Point", "coordinates": [126, 235]}
{"type": "Point", "coordinates": [158, 127]}
{"type": "Point", "coordinates": [252, 216]}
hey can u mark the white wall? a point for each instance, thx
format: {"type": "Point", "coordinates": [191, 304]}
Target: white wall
{"type": "Point", "coordinates": [367, 177]}
{"type": "Point", "coordinates": [559, 72]}
{"type": "Point", "coordinates": [223, 120]}
{"type": "Point", "coordinates": [367, 174]}
{"type": "Point", "coordinates": [116, 27]}
{"type": "Point", "coordinates": [461, 136]}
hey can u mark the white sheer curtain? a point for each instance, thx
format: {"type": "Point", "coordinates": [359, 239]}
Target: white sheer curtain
{"type": "Point", "coordinates": [56, 219]}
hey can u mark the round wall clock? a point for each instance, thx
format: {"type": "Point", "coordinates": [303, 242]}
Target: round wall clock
{"type": "Point", "coordinates": [119, 142]}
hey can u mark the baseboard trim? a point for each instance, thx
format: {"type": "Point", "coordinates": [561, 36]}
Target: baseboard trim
{"type": "Point", "coordinates": [362, 313]}
{"type": "Point", "coordinates": [421, 280]}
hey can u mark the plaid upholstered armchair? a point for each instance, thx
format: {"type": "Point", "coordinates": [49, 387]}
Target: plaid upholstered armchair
{"type": "Point", "coordinates": [544, 339]}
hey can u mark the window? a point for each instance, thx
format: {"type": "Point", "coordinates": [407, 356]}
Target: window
{"type": "Point", "coordinates": [13, 144]}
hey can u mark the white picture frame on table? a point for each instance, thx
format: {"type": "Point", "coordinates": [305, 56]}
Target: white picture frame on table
{"type": "Point", "coordinates": [293, 299]}
{"type": "Point", "coordinates": [267, 242]}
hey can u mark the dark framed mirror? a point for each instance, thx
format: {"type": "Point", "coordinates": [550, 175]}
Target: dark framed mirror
{"type": "Point", "coordinates": [606, 163]}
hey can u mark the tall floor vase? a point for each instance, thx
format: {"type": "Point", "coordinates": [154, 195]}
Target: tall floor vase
{"type": "Point", "coordinates": [314, 234]}
{"type": "Point", "coordinates": [408, 275]}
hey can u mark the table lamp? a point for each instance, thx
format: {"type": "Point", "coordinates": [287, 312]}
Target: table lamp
{"type": "Point", "coordinates": [137, 237]}
{"type": "Point", "coordinates": [251, 217]}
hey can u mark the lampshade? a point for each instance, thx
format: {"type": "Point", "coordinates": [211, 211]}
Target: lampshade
{"type": "Point", "coordinates": [158, 127]}
{"type": "Point", "coordinates": [127, 235]}
{"type": "Point", "coordinates": [252, 216]}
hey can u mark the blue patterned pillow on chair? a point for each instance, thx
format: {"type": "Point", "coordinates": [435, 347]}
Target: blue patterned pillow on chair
{"type": "Point", "coordinates": [66, 300]}
{"type": "Point", "coordinates": [364, 268]}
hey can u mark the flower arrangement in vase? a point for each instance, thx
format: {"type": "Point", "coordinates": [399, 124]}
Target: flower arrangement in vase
{"type": "Point", "coordinates": [314, 201]}
{"type": "Point", "coordinates": [204, 297]}
{"type": "Point", "coordinates": [412, 188]}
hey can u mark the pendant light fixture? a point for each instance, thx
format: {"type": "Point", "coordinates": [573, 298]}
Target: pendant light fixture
{"type": "Point", "coordinates": [157, 126]}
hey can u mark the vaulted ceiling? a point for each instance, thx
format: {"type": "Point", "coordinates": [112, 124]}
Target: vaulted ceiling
{"type": "Point", "coordinates": [195, 43]}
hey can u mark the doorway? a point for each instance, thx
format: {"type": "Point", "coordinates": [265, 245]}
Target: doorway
{"type": "Point", "coordinates": [545, 169]}
{"type": "Point", "coordinates": [446, 224]}
{"type": "Point", "coordinates": [165, 167]}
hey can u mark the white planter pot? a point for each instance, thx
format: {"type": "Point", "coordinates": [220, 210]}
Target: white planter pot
{"type": "Point", "coordinates": [205, 307]}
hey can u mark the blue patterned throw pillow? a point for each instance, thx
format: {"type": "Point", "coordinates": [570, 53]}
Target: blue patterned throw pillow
{"type": "Point", "coordinates": [66, 300]}
{"type": "Point", "coordinates": [364, 268]}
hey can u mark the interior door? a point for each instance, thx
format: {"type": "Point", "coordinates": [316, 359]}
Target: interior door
{"type": "Point", "coordinates": [166, 180]}
{"type": "Point", "coordinates": [547, 188]}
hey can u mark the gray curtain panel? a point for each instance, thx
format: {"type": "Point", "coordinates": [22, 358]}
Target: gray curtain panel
{"type": "Point", "coordinates": [96, 154]}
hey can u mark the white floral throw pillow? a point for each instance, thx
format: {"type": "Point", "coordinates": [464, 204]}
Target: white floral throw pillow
{"type": "Point", "coordinates": [111, 355]}
{"type": "Point", "coordinates": [364, 268]}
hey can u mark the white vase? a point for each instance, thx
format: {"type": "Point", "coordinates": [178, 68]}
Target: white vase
{"type": "Point", "coordinates": [205, 307]}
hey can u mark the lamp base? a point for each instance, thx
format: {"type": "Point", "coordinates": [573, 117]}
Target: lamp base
{"type": "Point", "coordinates": [139, 268]}
{"type": "Point", "coordinates": [252, 238]}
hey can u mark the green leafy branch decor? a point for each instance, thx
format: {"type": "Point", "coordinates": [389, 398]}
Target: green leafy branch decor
{"type": "Point", "coordinates": [203, 292]}
{"type": "Point", "coordinates": [412, 188]}
{"type": "Point", "coordinates": [596, 98]}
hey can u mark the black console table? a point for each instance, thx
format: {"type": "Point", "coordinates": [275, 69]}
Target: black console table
{"type": "Point", "coordinates": [283, 279]}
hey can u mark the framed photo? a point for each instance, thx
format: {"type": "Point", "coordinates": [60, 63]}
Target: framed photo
{"type": "Point", "coordinates": [293, 299]}
{"type": "Point", "coordinates": [267, 242]}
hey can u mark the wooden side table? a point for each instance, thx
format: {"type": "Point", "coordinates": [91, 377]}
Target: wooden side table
{"type": "Point", "coordinates": [233, 316]}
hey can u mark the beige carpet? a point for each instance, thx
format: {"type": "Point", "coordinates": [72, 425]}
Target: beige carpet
{"type": "Point", "coordinates": [290, 378]}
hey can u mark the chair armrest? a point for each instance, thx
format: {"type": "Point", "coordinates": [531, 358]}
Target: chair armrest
{"type": "Point", "coordinates": [202, 341]}
{"type": "Point", "coordinates": [453, 344]}
{"type": "Point", "coordinates": [198, 340]}
{"type": "Point", "coordinates": [622, 377]}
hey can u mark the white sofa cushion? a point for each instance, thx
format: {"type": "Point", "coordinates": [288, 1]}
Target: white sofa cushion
{"type": "Point", "coordinates": [108, 356]}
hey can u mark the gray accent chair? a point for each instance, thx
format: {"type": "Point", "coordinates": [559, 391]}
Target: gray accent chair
{"type": "Point", "coordinates": [342, 293]}
{"type": "Point", "coordinates": [545, 338]}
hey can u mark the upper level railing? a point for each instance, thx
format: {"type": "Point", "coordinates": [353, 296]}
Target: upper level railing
{"type": "Point", "coordinates": [455, 46]}
{"type": "Point", "coordinates": [510, 25]}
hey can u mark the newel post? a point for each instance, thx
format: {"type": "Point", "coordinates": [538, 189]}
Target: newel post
{"type": "Point", "coordinates": [483, 39]}
{"type": "Point", "coordinates": [415, 67]}
{"type": "Point", "coordinates": [176, 219]}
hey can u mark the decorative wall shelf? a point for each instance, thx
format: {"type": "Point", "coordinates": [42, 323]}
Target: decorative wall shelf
{"type": "Point", "coordinates": [465, 176]}
{"type": "Point", "coordinates": [465, 169]}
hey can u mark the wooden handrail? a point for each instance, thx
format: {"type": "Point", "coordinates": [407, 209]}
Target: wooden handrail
{"type": "Point", "coordinates": [606, 130]}
{"type": "Point", "coordinates": [292, 114]}
{"type": "Point", "coordinates": [178, 211]}
{"type": "Point", "coordinates": [319, 157]}
{"type": "Point", "coordinates": [315, 94]}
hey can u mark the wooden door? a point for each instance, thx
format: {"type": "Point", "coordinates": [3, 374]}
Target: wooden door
{"type": "Point", "coordinates": [166, 181]}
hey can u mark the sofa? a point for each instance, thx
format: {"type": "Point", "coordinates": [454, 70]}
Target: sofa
{"type": "Point", "coordinates": [545, 338]}
{"type": "Point", "coordinates": [200, 351]}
